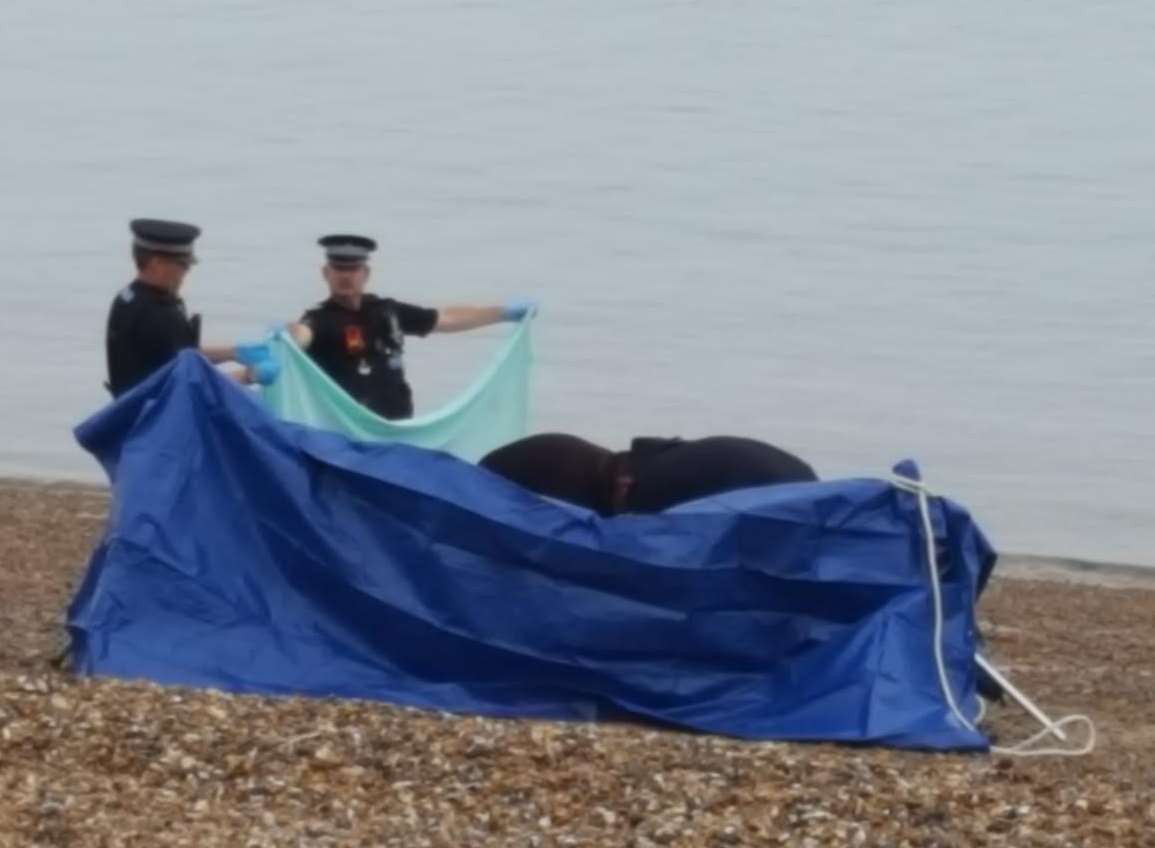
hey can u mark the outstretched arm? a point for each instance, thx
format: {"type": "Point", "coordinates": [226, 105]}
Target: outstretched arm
{"type": "Point", "coordinates": [454, 319]}
{"type": "Point", "coordinates": [302, 334]}
{"type": "Point", "coordinates": [246, 353]}
{"type": "Point", "coordinates": [256, 359]}
{"type": "Point", "coordinates": [217, 354]}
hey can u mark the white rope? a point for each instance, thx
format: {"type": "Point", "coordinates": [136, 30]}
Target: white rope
{"type": "Point", "coordinates": [982, 710]}
{"type": "Point", "coordinates": [1024, 749]}
{"type": "Point", "coordinates": [1009, 687]}
{"type": "Point", "coordinates": [1050, 727]}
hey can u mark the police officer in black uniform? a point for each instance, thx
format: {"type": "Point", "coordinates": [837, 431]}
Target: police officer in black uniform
{"type": "Point", "coordinates": [358, 338]}
{"type": "Point", "coordinates": [148, 324]}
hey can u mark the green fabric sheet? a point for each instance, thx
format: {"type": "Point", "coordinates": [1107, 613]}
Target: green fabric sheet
{"type": "Point", "coordinates": [491, 412]}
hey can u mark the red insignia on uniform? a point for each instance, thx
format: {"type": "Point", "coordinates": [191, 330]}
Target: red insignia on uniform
{"type": "Point", "coordinates": [354, 340]}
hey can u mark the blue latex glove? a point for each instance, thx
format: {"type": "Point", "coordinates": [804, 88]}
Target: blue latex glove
{"type": "Point", "coordinates": [517, 309]}
{"type": "Point", "coordinates": [266, 371]}
{"type": "Point", "coordinates": [253, 354]}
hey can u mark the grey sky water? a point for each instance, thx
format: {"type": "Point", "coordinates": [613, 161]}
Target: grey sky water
{"type": "Point", "coordinates": [863, 231]}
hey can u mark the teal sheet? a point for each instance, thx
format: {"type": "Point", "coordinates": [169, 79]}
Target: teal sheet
{"type": "Point", "coordinates": [491, 412]}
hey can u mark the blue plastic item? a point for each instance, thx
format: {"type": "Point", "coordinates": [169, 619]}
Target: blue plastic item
{"type": "Point", "coordinates": [254, 555]}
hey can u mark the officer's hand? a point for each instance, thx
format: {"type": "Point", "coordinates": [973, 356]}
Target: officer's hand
{"type": "Point", "coordinates": [253, 354]}
{"type": "Point", "coordinates": [517, 309]}
{"type": "Point", "coordinates": [265, 372]}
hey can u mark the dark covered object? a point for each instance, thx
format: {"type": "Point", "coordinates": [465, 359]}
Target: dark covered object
{"type": "Point", "coordinates": [653, 475]}
{"type": "Point", "coordinates": [558, 465]}
{"type": "Point", "coordinates": [672, 471]}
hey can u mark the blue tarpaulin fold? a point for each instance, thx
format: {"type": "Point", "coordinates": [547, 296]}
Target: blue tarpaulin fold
{"type": "Point", "coordinates": [255, 555]}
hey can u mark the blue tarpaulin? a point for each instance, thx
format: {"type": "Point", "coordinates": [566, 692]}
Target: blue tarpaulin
{"type": "Point", "coordinates": [255, 555]}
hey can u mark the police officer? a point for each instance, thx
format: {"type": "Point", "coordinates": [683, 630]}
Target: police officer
{"type": "Point", "coordinates": [148, 324]}
{"type": "Point", "coordinates": [358, 338]}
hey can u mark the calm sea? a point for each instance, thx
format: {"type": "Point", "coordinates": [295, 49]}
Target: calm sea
{"type": "Point", "coordinates": [862, 231]}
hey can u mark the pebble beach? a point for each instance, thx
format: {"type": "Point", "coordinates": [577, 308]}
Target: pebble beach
{"type": "Point", "coordinates": [88, 762]}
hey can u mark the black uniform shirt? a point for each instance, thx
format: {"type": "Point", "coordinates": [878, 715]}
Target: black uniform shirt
{"type": "Point", "coordinates": [147, 327]}
{"type": "Point", "coordinates": [362, 349]}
